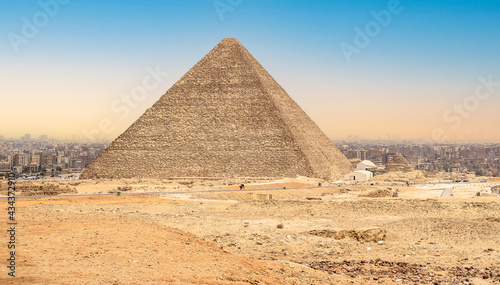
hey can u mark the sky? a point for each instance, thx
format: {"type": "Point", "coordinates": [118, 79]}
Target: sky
{"type": "Point", "coordinates": [418, 70]}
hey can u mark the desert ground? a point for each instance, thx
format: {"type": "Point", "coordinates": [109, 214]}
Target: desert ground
{"type": "Point", "coordinates": [304, 234]}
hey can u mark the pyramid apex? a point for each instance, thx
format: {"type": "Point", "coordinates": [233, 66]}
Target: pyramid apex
{"type": "Point", "coordinates": [229, 41]}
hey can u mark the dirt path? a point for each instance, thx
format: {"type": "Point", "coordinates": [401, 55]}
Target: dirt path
{"type": "Point", "coordinates": [447, 192]}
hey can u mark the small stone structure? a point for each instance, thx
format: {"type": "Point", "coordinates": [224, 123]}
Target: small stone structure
{"type": "Point", "coordinates": [264, 196]}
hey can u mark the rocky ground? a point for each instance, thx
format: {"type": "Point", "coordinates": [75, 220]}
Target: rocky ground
{"type": "Point", "coordinates": [328, 235]}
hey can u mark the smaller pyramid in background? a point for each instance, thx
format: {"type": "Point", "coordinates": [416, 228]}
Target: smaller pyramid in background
{"type": "Point", "coordinates": [398, 163]}
{"type": "Point", "coordinates": [226, 118]}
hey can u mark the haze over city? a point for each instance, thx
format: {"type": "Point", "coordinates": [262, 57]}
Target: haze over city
{"type": "Point", "coordinates": [376, 69]}
{"type": "Point", "coordinates": [250, 142]}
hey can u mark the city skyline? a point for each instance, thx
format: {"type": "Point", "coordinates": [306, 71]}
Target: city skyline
{"type": "Point", "coordinates": [50, 157]}
{"type": "Point", "coordinates": [350, 139]}
{"type": "Point", "coordinates": [419, 71]}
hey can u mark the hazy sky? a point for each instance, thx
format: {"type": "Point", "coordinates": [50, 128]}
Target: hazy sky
{"type": "Point", "coordinates": [412, 69]}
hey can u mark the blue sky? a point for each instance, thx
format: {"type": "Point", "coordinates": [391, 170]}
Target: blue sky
{"type": "Point", "coordinates": [427, 59]}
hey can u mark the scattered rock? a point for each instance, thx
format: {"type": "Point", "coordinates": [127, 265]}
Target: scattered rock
{"type": "Point", "coordinates": [367, 235]}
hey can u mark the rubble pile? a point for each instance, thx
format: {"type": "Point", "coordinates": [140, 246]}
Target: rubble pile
{"type": "Point", "coordinates": [495, 189]}
{"type": "Point", "coordinates": [381, 193]}
{"type": "Point", "coordinates": [406, 272]}
{"type": "Point", "coordinates": [30, 189]}
{"type": "Point", "coordinates": [368, 235]}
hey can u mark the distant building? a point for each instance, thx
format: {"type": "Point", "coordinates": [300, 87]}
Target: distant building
{"type": "Point", "coordinates": [63, 162]}
{"type": "Point", "coordinates": [17, 169]}
{"type": "Point", "coordinates": [365, 165]}
{"type": "Point", "coordinates": [4, 166]}
{"type": "Point", "coordinates": [48, 160]}
{"type": "Point", "coordinates": [50, 171]}
{"type": "Point", "coordinates": [78, 164]}
{"type": "Point", "coordinates": [32, 168]}
{"type": "Point", "coordinates": [35, 159]}
{"type": "Point", "coordinates": [357, 154]}
{"type": "Point", "coordinates": [22, 160]}
{"type": "Point", "coordinates": [423, 167]}
{"type": "Point", "coordinates": [359, 175]}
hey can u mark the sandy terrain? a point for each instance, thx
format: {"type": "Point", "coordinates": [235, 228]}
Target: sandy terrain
{"type": "Point", "coordinates": [328, 235]}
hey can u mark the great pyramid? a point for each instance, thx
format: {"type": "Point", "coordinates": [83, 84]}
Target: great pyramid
{"type": "Point", "coordinates": [226, 118]}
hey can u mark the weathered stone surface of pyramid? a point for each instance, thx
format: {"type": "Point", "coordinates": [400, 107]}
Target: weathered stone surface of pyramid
{"type": "Point", "coordinates": [398, 163]}
{"type": "Point", "coordinates": [226, 118]}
